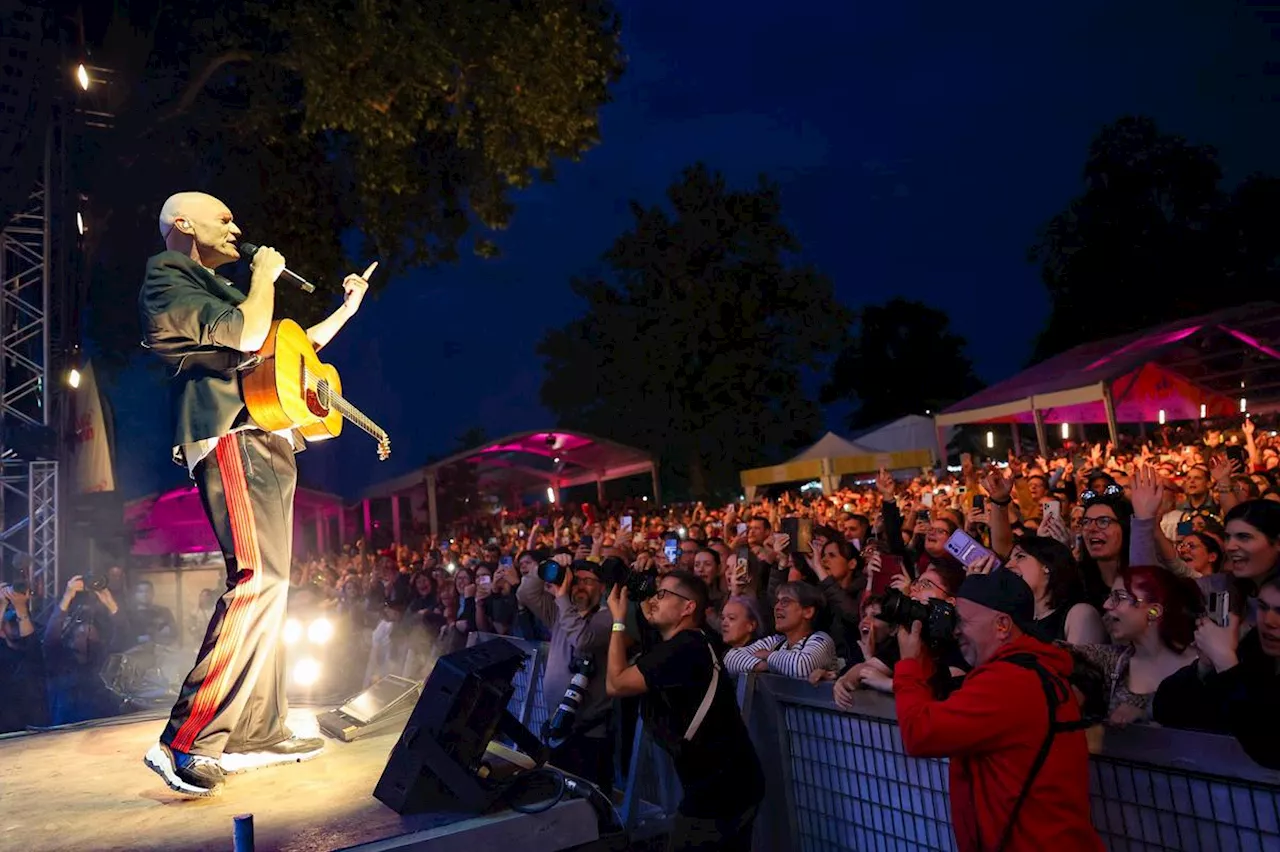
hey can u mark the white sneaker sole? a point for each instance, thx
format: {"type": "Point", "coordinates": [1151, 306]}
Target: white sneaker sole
{"type": "Point", "coordinates": [159, 761]}
{"type": "Point", "coordinates": [233, 763]}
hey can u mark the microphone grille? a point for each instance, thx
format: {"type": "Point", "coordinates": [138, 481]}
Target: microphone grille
{"type": "Point", "coordinates": [248, 250]}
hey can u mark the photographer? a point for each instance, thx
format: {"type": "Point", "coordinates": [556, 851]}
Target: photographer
{"type": "Point", "coordinates": [21, 665]}
{"type": "Point", "coordinates": [1019, 760]}
{"type": "Point", "coordinates": [690, 709]}
{"type": "Point", "coordinates": [76, 642]}
{"type": "Point", "coordinates": [579, 644]}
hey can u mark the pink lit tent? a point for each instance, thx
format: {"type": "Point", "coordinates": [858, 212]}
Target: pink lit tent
{"type": "Point", "coordinates": [1202, 364]}
{"type": "Point", "coordinates": [524, 462]}
{"type": "Point", "coordinates": [174, 522]}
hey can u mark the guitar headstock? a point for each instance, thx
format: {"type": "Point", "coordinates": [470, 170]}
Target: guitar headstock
{"type": "Point", "coordinates": [384, 446]}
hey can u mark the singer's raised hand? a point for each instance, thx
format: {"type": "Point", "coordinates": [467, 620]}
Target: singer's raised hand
{"type": "Point", "coordinates": [267, 264]}
{"type": "Point", "coordinates": [355, 286]}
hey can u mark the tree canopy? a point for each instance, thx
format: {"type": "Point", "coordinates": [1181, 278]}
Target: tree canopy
{"type": "Point", "coordinates": [406, 123]}
{"type": "Point", "coordinates": [1154, 236]}
{"type": "Point", "coordinates": [902, 358]}
{"type": "Point", "coordinates": [695, 343]}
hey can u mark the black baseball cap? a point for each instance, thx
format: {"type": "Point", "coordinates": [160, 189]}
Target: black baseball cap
{"type": "Point", "coordinates": [1006, 592]}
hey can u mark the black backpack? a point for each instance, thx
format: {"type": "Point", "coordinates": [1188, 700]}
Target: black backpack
{"type": "Point", "coordinates": [1056, 692]}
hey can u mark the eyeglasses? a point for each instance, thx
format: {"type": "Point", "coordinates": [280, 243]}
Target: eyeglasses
{"type": "Point", "coordinates": [786, 602]}
{"type": "Point", "coordinates": [1118, 596]}
{"type": "Point", "coordinates": [924, 584]}
{"type": "Point", "coordinates": [1103, 523]}
{"type": "Point", "coordinates": [662, 594]}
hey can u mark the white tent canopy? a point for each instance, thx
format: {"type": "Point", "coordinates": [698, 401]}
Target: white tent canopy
{"type": "Point", "coordinates": [912, 432]}
{"type": "Point", "coordinates": [832, 446]}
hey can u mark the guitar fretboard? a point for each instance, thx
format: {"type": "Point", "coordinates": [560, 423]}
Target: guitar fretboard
{"type": "Point", "coordinates": [328, 396]}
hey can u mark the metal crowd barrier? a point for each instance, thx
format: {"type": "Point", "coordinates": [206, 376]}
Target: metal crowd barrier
{"type": "Point", "coordinates": [839, 781]}
{"type": "Point", "coordinates": [844, 782]}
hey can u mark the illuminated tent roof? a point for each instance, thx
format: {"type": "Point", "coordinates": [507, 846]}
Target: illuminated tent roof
{"type": "Point", "coordinates": [1211, 360]}
{"type": "Point", "coordinates": [174, 522]}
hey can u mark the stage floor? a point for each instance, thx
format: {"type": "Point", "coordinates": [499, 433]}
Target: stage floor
{"type": "Point", "coordinates": [87, 789]}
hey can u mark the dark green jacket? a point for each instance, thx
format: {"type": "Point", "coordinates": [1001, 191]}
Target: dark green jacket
{"type": "Point", "coordinates": [191, 319]}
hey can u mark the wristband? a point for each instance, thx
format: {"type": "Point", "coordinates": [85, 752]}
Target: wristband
{"type": "Point", "coordinates": [1005, 502]}
{"type": "Point", "coordinates": [619, 627]}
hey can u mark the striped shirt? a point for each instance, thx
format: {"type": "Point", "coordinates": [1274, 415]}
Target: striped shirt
{"type": "Point", "coordinates": [813, 652]}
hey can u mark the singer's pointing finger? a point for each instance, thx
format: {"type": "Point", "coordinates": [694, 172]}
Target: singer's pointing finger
{"type": "Point", "coordinates": [369, 271]}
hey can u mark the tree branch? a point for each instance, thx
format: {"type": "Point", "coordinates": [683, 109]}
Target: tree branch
{"type": "Point", "coordinates": [200, 80]}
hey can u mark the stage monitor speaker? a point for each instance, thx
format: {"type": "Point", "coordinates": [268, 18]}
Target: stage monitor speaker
{"type": "Point", "coordinates": [382, 707]}
{"type": "Point", "coordinates": [436, 763]}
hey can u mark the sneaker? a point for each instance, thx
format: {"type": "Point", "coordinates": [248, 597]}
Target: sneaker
{"type": "Point", "coordinates": [189, 774]}
{"type": "Point", "coordinates": [295, 749]}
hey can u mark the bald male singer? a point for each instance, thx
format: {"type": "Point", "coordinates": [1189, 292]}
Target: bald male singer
{"type": "Point", "coordinates": [230, 712]}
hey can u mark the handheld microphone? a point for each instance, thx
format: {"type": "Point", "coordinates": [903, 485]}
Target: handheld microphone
{"type": "Point", "coordinates": [248, 250]}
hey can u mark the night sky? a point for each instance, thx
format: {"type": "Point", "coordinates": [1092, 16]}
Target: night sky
{"type": "Point", "coordinates": [918, 147]}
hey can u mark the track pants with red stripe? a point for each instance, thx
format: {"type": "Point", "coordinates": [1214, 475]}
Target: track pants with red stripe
{"type": "Point", "coordinates": [234, 697]}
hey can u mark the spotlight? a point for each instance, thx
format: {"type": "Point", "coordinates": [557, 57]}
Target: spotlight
{"type": "Point", "coordinates": [82, 76]}
{"type": "Point", "coordinates": [320, 631]}
{"type": "Point", "coordinates": [1066, 431]}
{"type": "Point", "coordinates": [80, 223]}
{"type": "Point", "coordinates": [292, 631]}
{"type": "Point", "coordinates": [1161, 417]}
{"type": "Point", "coordinates": [1203, 410]}
{"type": "Point", "coordinates": [73, 377]}
{"type": "Point", "coordinates": [306, 671]}
{"type": "Point", "coordinates": [1243, 405]}
{"type": "Point", "coordinates": [551, 495]}
{"type": "Point", "coordinates": [991, 440]}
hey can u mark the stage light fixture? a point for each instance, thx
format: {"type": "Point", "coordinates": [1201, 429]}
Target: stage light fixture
{"type": "Point", "coordinates": [1244, 406]}
{"type": "Point", "coordinates": [80, 223]}
{"type": "Point", "coordinates": [1066, 431]}
{"type": "Point", "coordinates": [551, 495]}
{"type": "Point", "coordinates": [82, 76]}
{"type": "Point", "coordinates": [1161, 417]}
{"type": "Point", "coordinates": [306, 671]}
{"type": "Point", "coordinates": [73, 378]}
{"type": "Point", "coordinates": [320, 631]}
{"type": "Point", "coordinates": [292, 631]}
{"type": "Point", "coordinates": [1203, 410]}
{"type": "Point", "coordinates": [991, 440]}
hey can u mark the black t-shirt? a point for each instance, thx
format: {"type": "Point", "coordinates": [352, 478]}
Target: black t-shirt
{"type": "Point", "coordinates": [501, 609]}
{"type": "Point", "coordinates": [718, 768]}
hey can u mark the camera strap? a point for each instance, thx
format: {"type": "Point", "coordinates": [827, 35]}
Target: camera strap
{"type": "Point", "coordinates": [705, 707]}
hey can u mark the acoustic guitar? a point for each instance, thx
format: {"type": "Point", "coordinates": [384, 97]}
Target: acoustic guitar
{"type": "Point", "coordinates": [290, 388]}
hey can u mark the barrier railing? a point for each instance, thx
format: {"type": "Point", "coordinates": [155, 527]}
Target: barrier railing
{"type": "Point", "coordinates": [846, 783]}
{"type": "Point", "coordinates": [842, 781]}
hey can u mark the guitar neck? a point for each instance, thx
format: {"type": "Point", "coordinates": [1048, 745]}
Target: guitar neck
{"type": "Point", "coordinates": [356, 416]}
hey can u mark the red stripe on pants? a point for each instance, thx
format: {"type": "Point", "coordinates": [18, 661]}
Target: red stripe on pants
{"type": "Point", "coordinates": [244, 536]}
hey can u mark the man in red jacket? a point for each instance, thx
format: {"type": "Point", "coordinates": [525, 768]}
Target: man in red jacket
{"type": "Point", "coordinates": [1018, 782]}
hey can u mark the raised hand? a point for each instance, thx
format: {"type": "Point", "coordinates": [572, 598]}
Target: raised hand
{"type": "Point", "coordinates": [886, 484]}
{"type": "Point", "coordinates": [1147, 491]}
{"type": "Point", "coordinates": [998, 484]}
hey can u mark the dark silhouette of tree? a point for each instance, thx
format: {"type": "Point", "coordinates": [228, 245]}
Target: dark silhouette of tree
{"type": "Point", "coordinates": [902, 358]}
{"type": "Point", "coordinates": [694, 344]}
{"type": "Point", "coordinates": [1153, 237]}
{"type": "Point", "coordinates": [407, 124]}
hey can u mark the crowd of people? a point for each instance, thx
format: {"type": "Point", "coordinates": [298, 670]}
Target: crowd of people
{"type": "Point", "coordinates": [1150, 566]}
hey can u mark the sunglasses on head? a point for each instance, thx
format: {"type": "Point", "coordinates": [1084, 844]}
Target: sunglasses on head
{"type": "Point", "coordinates": [1108, 492]}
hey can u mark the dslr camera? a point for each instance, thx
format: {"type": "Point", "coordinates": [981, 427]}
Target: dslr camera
{"type": "Point", "coordinates": [937, 617]}
{"type": "Point", "coordinates": [640, 586]}
{"type": "Point", "coordinates": [95, 582]}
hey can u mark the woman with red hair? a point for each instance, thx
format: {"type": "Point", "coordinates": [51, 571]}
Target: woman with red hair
{"type": "Point", "coordinates": [1151, 615]}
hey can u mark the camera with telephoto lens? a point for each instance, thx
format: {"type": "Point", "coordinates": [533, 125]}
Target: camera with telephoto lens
{"type": "Point", "coordinates": [95, 582]}
{"type": "Point", "coordinates": [21, 587]}
{"type": "Point", "coordinates": [561, 724]}
{"type": "Point", "coordinates": [551, 571]}
{"type": "Point", "coordinates": [640, 585]}
{"type": "Point", "coordinates": [938, 617]}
